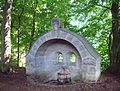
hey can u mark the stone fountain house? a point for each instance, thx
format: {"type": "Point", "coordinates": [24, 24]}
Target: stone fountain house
{"type": "Point", "coordinates": [61, 48]}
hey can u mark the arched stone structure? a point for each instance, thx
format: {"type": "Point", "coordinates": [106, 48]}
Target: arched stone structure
{"type": "Point", "coordinates": [42, 57]}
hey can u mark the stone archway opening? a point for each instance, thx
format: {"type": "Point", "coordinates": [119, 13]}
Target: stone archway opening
{"type": "Point", "coordinates": [55, 55]}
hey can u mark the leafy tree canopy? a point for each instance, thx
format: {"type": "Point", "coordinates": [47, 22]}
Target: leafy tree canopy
{"type": "Point", "coordinates": [89, 18]}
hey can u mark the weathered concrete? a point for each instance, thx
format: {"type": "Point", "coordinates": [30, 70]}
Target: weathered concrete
{"type": "Point", "coordinates": [42, 58]}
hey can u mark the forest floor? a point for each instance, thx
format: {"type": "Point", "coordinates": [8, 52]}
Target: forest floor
{"type": "Point", "coordinates": [16, 81]}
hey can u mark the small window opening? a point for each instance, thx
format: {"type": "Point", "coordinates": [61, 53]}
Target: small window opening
{"type": "Point", "coordinates": [72, 57]}
{"type": "Point", "coordinates": [60, 57]}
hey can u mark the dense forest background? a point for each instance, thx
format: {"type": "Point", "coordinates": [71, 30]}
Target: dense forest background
{"type": "Point", "coordinates": [93, 19]}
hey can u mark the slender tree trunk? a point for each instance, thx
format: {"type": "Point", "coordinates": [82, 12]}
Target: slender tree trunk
{"type": "Point", "coordinates": [19, 28]}
{"type": "Point", "coordinates": [33, 30]}
{"type": "Point", "coordinates": [115, 49]}
{"type": "Point", "coordinates": [33, 24]}
{"type": "Point", "coordinates": [18, 36]}
{"type": "Point", "coordinates": [109, 45]}
{"type": "Point", "coordinates": [6, 39]}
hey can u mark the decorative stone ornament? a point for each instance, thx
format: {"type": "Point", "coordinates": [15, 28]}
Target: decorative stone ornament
{"type": "Point", "coordinates": [63, 76]}
{"type": "Point", "coordinates": [56, 24]}
{"type": "Point", "coordinates": [55, 50]}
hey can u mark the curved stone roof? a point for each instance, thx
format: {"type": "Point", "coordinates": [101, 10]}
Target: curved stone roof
{"type": "Point", "coordinates": [88, 46]}
{"type": "Point", "coordinates": [81, 44]}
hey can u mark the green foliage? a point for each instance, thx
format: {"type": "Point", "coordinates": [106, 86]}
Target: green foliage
{"type": "Point", "coordinates": [96, 25]}
{"type": "Point", "coordinates": [94, 22]}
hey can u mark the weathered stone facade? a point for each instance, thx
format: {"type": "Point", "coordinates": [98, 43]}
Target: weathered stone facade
{"type": "Point", "coordinates": [43, 60]}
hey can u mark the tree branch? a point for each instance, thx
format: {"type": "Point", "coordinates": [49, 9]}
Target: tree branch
{"type": "Point", "coordinates": [104, 6]}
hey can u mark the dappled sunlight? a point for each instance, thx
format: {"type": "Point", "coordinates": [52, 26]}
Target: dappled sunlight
{"type": "Point", "coordinates": [22, 61]}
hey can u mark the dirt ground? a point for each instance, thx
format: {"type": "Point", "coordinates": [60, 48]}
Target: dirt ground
{"type": "Point", "coordinates": [16, 81]}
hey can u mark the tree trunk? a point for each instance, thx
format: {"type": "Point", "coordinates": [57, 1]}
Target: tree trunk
{"type": "Point", "coordinates": [115, 49]}
{"type": "Point", "coordinates": [33, 24]}
{"type": "Point", "coordinates": [6, 40]}
{"type": "Point", "coordinates": [18, 36]}
{"type": "Point", "coordinates": [33, 30]}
